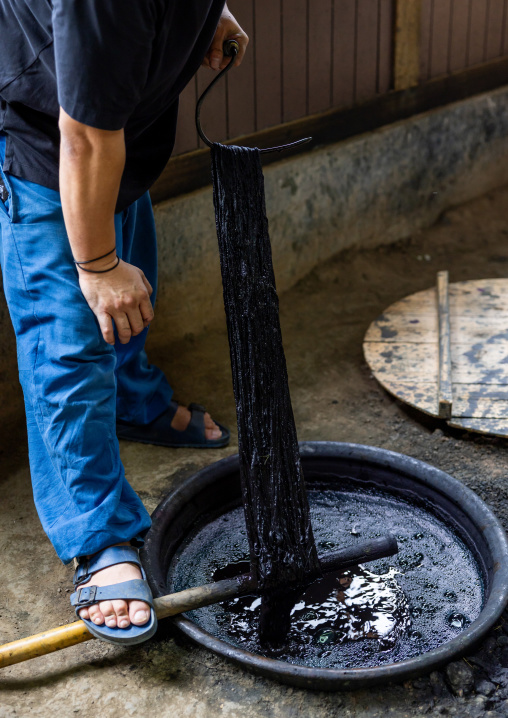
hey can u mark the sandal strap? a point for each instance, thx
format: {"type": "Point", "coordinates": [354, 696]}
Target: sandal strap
{"type": "Point", "coordinates": [107, 557]}
{"type": "Point", "coordinates": [196, 407]}
{"type": "Point", "coordinates": [136, 589]}
{"type": "Point", "coordinates": [196, 426]}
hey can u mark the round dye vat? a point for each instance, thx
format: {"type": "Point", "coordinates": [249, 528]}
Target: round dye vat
{"type": "Point", "coordinates": [393, 609]}
{"type": "Point", "coordinates": [391, 619]}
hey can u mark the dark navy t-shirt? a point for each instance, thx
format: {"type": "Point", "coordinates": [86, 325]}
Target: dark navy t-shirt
{"type": "Point", "coordinates": [110, 64]}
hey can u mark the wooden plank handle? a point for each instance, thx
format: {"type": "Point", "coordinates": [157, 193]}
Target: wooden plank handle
{"type": "Point", "coordinates": [188, 600]}
{"type": "Point", "coordinates": [445, 362]}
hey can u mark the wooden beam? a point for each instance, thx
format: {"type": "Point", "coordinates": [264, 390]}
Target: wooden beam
{"type": "Point", "coordinates": [445, 362]}
{"type": "Point", "coordinates": [406, 55]}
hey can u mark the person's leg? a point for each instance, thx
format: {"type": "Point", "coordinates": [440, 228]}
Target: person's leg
{"type": "Point", "coordinates": [67, 373]}
{"type": "Point", "coordinates": [143, 393]}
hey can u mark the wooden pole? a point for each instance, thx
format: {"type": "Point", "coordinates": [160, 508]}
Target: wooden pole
{"type": "Point", "coordinates": [407, 42]}
{"type": "Point", "coordinates": [188, 600]}
{"type": "Point", "coordinates": [445, 362]}
{"type": "Point", "coordinates": [73, 633]}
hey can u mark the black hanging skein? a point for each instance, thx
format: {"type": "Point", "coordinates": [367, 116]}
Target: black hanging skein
{"type": "Point", "coordinates": [281, 541]}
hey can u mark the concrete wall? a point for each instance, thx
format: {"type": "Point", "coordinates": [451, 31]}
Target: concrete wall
{"type": "Point", "coordinates": [373, 189]}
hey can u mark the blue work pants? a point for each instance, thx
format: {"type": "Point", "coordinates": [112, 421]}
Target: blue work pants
{"type": "Point", "coordinates": [74, 383]}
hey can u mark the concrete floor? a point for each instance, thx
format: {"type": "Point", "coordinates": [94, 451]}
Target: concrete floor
{"type": "Point", "coordinates": [335, 397]}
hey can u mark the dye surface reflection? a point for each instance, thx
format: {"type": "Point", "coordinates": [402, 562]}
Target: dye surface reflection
{"type": "Point", "coordinates": [383, 612]}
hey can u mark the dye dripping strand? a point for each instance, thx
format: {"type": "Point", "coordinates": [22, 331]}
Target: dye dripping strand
{"type": "Point", "coordinates": [281, 542]}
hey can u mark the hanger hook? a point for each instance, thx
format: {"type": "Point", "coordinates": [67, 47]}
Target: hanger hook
{"type": "Point", "coordinates": [231, 48]}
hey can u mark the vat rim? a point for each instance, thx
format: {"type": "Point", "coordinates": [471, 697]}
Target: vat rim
{"type": "Point", "coordinates": [352, 678]}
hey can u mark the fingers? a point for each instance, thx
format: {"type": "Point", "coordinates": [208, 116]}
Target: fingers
{"type": "Point", "coordinates": [132, 322]}
{"type": "Point", "coordinates": [136, 321]}
{"type": "Point", "coordinates": [227, 29]}
{"type": "Point", "coordinates": [145, 305]}
{"type": "Point", "coordinates": [147, 284]}
{"type": "Point", "coordinates": [120, 302]}
{"type": "Point", "coordinates": [106, 327]}
{"type": "Point", "coordinates": [123, 328]}
{"type": "Point", "coordinates": [218, 61]}
{"type": "Point", "coordinates": [215, 56]}
{"type": "Point", "coordinates": [146, 310]}
{"type": "Point", "coordinates": [243, 41]}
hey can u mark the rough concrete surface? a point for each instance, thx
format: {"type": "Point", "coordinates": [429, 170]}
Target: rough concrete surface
{"type": "Point", "coordinates": [324, 318]}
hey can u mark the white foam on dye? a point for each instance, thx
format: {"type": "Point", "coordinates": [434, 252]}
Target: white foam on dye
{"type": "Point", "coordinates": [254, 605]}
{"type": "Point", "coordinates": [361, 605]}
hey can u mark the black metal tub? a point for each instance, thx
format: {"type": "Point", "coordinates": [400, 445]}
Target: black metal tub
{"type": "Point", "coordinates": [217, 488]}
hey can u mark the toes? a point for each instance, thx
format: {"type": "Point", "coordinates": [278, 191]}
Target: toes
{"type": "Point", "coordinates": [96, 615]}
{"type": "Point", "coordinates": [122, 614]}
{"type": "Point", "coordinates": [139, 612]}
{"type": "Point", "coordinates": [117, 613]}
{"type": "Point", "coordinates": [109, 613]}
{"type": "Point", "coordinates": [181, 419]}
{"type": "Point", "coordinates": [212, 431]}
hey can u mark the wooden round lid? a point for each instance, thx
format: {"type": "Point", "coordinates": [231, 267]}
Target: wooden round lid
{"type": "Point", "coordinates": [445, 351]}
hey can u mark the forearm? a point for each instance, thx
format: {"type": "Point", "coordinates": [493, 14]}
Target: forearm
{"type": "Point", "coordinates": [91, 167]}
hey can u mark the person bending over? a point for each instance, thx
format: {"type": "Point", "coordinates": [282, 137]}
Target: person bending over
{"type": "Point", "coordinates": [88, 105]}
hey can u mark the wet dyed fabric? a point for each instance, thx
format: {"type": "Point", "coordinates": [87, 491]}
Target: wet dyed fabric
{"type": "Point", "coordinates": [276, 508]}
{"type": "Point", "coordinates": [74, 383]}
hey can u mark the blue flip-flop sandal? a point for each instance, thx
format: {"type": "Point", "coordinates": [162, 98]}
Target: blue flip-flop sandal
{"type": "Point", "coordinates": [161, 433]}
{"type": "Point", "coordinates": [136, 589]}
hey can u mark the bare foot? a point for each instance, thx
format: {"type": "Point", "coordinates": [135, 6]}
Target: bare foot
{"type": "Point", "coordinates": [183, 416]}
{"type": "Point", "coordinates": [116, 613]}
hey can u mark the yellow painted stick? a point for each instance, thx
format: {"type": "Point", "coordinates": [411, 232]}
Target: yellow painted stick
{"type": "Point", "coordinates": [72, 633]}
{"type": "Point", "coordinates": [42, 643]}
{"type": "Point", "coordinates": [188, 600]}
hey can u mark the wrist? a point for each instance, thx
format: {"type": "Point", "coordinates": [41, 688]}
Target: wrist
{"type": "Point", "coordinates": [99, 266]}
{"type": "Point", "coordinates": [103, 263]}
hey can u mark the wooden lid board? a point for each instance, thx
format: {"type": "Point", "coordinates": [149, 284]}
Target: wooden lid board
{"type": "Point", "coordinates": [444, 351]}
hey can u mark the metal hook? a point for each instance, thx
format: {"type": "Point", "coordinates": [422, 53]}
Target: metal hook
{"type": "Point", "coordinates": [230, 49]}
